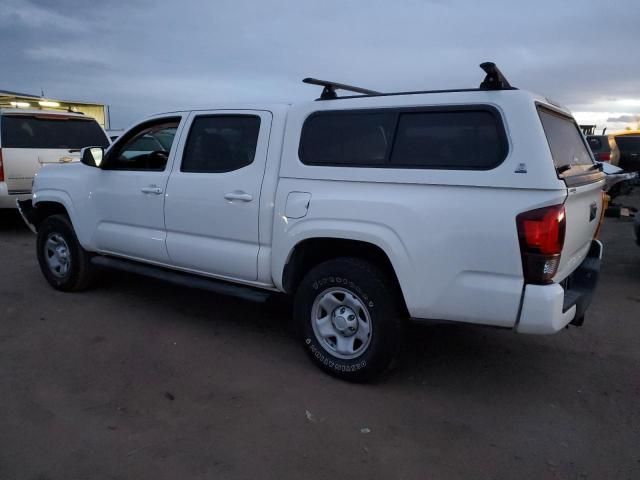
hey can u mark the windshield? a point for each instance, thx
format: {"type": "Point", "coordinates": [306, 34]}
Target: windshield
{"type": "Point", "coordinates": [23, 131]}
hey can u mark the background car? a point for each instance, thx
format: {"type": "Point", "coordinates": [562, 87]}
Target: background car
{"type": "Point", "coordinates": [629, 145]}
{"type": "Point", "coordinates": [615, 177]}
{"type": "Point", "coordinates": [604, 148]}
{"type": "Point", "coordinates": [30, 139]}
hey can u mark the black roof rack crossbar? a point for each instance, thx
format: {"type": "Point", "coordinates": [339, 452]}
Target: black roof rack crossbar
{"type": "Point", "coordinates": [494, 80]}
{"type": "Point", "coordinates": [329, 90]}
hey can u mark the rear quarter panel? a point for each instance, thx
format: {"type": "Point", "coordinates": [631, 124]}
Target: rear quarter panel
{"type": "Point", "coordinates": [454, 249]}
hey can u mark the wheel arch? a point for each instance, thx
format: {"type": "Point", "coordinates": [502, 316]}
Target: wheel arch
{"type": "Point", "coordinates": [53, 202]}
{"type": "Point", "coordinates": [312, 251]}
{"type": "Point", "coordinates": [45, 209]}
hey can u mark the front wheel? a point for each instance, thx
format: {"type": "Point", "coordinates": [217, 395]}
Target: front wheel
{"type": "Point", "coordinates": [63, 261]}
{"type": "Point", "coordinates": [349, 319]}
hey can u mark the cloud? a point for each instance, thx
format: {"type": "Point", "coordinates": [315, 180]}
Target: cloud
{"type": "Point", "coordinates": [31, 16]}
{"type": "Point", "coordinates": [71, 55]}
{"type": "Point", "coordinates": [146, 56]}
{"type": "Point", "coordinates": [624, 119]}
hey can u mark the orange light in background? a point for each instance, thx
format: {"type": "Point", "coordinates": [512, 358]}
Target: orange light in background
{"type": "Point", "coordinates": [605, 203]}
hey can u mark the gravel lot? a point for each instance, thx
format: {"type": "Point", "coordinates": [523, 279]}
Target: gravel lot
{"type": "Point", "coordinates": [139, 379]}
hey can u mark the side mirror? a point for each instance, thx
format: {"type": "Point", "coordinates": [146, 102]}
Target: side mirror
{"type": "Point", "coordinates": [92, 156]}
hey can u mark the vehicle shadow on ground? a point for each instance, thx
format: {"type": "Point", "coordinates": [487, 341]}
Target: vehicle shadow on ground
{"type": "Point", "coordinates": [453, 356]}
{"type": "Point", "coordinates": [11, 222]}
{"type": "Point", "coordinates": [448, 355]}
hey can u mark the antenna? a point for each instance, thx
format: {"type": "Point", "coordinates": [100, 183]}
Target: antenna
{"type": "Point", "coordinates": [329, 90]}
{"type": "Point", "coordinates": [494, 80]}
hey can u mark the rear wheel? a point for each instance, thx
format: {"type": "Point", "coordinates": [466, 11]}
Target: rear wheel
{"type": "Point", "coordinates": [348, 316]}
{"type": "Point", "coordinates": [64, 263]}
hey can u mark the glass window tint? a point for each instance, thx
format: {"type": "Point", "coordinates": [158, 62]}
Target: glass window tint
{"type": "Point", "coordinates": [565, 141]}
{"type": "Point", "coordinates": [146, 143]}
{"type": "Point", "coordinates": [453, 139]}
{"type": "Point", "coordinates": [23, 131]}
{"type": "Point", "coordinates": [148, 149]}
{"type": "Point", "coordinates": [628, 143]}
{"type": "Point", "coordinates": [449, 139]}
{"type": "Point", "coordinates": [595, 144]}
{"type": "Point", "coordinates": [221, 143]}
{"type": "Point", "coordinates": [337, 138]}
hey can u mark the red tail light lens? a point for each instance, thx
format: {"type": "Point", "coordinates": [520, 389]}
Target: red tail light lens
{"type": "Point", "coordinates": [541, 234]}
{"type": "Point", "coordinates": [604, 156]}
{"type": "Point", "coordinates": [1, 167]}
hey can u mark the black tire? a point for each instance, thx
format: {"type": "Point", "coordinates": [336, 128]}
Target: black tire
{"type": "Point", "coordinates": [79, 272]}
{"type": "Point", "coordinates": [368, 287]}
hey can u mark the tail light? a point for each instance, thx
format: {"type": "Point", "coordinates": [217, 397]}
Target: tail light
{"type": "Point", "coordinates": [604, 156]}
{"type": "Point", "coordinates": [541, 234]}
{"type": "Point", "coordinates": [1, 167]}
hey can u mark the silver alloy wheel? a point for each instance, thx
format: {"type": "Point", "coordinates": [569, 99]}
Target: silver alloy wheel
{"type": "Point", "coordinates": [57, 255]}
{"type": "Point", "coordinates": [341, 323]}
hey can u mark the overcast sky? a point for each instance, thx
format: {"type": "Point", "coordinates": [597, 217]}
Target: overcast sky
{"type": "Point", "coordinates": [147, 56]}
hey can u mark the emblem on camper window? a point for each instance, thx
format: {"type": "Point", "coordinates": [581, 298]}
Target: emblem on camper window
{"type": "Point", "coordinates": [522, 168]}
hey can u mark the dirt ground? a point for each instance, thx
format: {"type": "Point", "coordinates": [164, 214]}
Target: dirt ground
{"type": "Point", "coordinates": [142, 380]}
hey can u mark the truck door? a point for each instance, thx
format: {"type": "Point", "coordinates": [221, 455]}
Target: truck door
{"type": "Point", "coordinates": [213, 195]}
{"type": "Point", "coordinates": [128, 195]}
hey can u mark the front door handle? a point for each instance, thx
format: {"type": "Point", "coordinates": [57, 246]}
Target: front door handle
{"type": "Point", "coordinates": [238, 195]}
{"type": "Point", "coordinates": [153, 189]}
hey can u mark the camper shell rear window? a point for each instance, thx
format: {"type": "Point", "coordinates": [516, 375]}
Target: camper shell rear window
{"type": "Point", "coordinates": [569, 150]}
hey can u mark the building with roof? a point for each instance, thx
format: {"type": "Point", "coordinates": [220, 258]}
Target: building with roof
{"type": "Point", "coordinates": [13, 99]}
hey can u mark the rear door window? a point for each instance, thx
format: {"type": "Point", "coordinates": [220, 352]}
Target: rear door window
{"type": "Point", "coordinates": [221, 143]}
{"type": "Point", "coordinates": [51, 132]}
{"type": "Point", "coordinates": [567, 145]}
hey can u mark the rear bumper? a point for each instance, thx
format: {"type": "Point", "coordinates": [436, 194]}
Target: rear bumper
{"type": "Point", "coordinates": [547, 309]}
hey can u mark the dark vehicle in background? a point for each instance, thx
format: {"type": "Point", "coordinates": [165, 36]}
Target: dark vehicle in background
{"type": "Point", "coordinates": [629, 146]}
{"type": "Point", "coordinates": [604, 148]}
{"type": "Point", "coordinates": [619, 180]}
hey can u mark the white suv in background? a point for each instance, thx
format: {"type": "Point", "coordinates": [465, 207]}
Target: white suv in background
{"type": "Point", "coordinates": [477, 206]}
{"type": "Point", "coordinates": [30, 139]}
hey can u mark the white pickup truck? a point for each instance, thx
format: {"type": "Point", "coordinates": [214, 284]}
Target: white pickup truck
{"type": "Point", "coordinates": [479, 206]}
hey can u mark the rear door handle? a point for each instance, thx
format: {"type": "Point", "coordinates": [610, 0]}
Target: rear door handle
{"type": "Point", "coordinates": [238, 195]}
{"type": "Point", "coordinates": [152, 189]}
